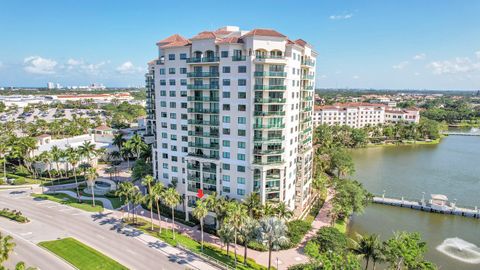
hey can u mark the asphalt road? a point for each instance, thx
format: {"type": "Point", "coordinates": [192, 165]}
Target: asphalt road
{"type": "Point", "coordinates": [49, 221]}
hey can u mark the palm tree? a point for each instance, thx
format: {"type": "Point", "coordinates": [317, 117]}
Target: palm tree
{"type": "Point", "coordinates": [268, 210]}
{"type": "Point", "coordinates": [200, 212]}
{"type": "Point", "coordinates": [118, 140]}
{"type": "Point", "coordinates": [91, 175]}
{"type": "Point", "coordinates": [87, 150]}
{"type": "Point", "coordinates": [56, 157]}
{"type": "Point", "coordinates": [147, 182]}
{"type": "Point", "coordinates": [236, 216]}
{"type": "Point", "coordinates": [4, 149]}
{"type": "Point", "coordinates": [368, 247]}
{"type": "Point", "coordinates": [150, 199]}
{"type": "Point", "coordinates": [272, 233]}
{"type": "Point", "coordinates": [126, 152]}
{"type": "Point", "coordinates": [226, 235]}
{"type": "Point", "coordinates": [74, 158]}
{"type": "Point", "coordinates": [137, 144]}
{"type": "Point", "coordinates": [172, 199]}
{"type": "Point", "coordinates": [124, 191]}
{"type": "Point", "coordinates": [253, 204]}
{"type": "Point", "coordinates": [46, 158]}
{"type": "Point", "coordinates": [137, 199]}
{"type": "Point", "coordinates": [247, 234]}
{"type": "Point", "coordinates": [6, 247]}
{"type": "Point", "coordinates": [282, 212]}
{"type": "Point", "coordinates": [157, 191]}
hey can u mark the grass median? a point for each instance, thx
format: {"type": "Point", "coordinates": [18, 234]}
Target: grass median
{"type": "Point", "coordinates": [80, 255]}
{"type": "Point", "coordinates": [85, 205]}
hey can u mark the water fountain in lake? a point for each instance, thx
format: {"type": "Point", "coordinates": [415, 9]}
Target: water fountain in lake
{"type": "Point", "coordinates": [461, 250]}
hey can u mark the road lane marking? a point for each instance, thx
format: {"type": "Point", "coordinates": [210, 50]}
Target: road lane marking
{"type": "Point", "coordinates": [131, 251]}
{"type": "Point", "coordinates": [27, 233]}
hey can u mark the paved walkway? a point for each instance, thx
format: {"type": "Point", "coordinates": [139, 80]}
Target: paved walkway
{"type": "Point", "coordinates": [106, 202]}
{"type": "Point", "coordinates": [286, 258]}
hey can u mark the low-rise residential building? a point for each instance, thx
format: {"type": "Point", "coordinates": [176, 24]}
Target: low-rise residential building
{"type": "Point", "coordinates": [355, 115]}
{"type": "Point", "coordinates": [406, 115]}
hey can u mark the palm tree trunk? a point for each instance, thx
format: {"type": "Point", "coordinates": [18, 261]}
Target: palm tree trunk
{"type": "Point", "coordinates": [374, 265]}
{"type": "Point", "coordinates": [201, 228]}
{"type": "Point", "coordinates": [151, 216]}
{"type": "Point", "coordinates": [245, 253]}
{"type": "Point", "coordinates": [173, 223]}
{"type": "Point", "coordinates": [235, 248]}
{"type": "Point", "coordinates": [159, 218]}
{"type": "Point", "coordinates": [228, 248]}
{"type": "Point", "coordinates": [366, 264]}
{"type": "Point", "coordinates": [269, 257]}
{"type": "Point", "coordinates": [5, 168]}
{"type": "Point", "coordinates": [93, 196]}
{"type": "Point", "coordinates": [76, 183]}
{"type": "Point", "coordinates": [128, 209]}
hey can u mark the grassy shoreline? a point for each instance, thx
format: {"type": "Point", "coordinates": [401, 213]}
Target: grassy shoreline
{"type": "Point", "coordinates": [405, 143]}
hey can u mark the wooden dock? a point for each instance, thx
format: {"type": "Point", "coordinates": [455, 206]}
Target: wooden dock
{"type": "Point", "coordinates": [418, 205]}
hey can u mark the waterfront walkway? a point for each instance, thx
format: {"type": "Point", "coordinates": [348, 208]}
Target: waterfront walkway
{"type": "Point", "coordinates": [286, 257]}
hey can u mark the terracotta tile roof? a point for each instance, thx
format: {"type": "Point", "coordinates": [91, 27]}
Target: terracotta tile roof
{"type": "Point", "coordinates": [230, 40]}
{"type": "Point", "coordinates": [43, 136]}
{"type": "Point", "coordinates": [290, 41]}
{"type": "Point", "coordinates": [175, 44]}
{"type": "Point", "coordinates": [222, 32]}
{"type": "Point", "coordinates": [205, 35]}
{"type": "Point", "coordinates": [172, 38]}
{"type": "Point", "coordinates": [103, 127]}
{"type": "Point", "coordinates": [300, 42]}
{"type": "Point", "coordinates": [344, 106]}
{"type": "Point", "coordinates": [265, 33]}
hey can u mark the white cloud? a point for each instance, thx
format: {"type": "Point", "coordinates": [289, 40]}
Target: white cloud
{"type": "Point", "coordinates": [81, 66]}
{"type": "Point", "coordinates": [456, 66]}
{"type": "Point", "coordinates": [477, 54]}
{"type": "Point", "coordinates": [420, 56]}
{"type": "Point", "coordinates": [417, 74]}
{"type": "Point", "coordinates": [400, 65]}
{"type": "Point", "coordinates": [128, 68]}
{"type": "Point", "coordinates": [341, 17]}
{"type": "Point", "coordinates": [356, 77]}
{"type": "Point", "coordinates": [39, 65]}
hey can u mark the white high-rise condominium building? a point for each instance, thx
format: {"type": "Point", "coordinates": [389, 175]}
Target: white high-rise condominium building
{"type": "Point", "coordinates": [231, 113]}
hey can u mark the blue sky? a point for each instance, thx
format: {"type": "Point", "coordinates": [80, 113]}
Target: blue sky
{"type": "Point", "coordinates": [403, 44]}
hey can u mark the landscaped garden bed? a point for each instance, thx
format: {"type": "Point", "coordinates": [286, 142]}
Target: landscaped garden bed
{"type": "Point", "coordinates": [14, 215]}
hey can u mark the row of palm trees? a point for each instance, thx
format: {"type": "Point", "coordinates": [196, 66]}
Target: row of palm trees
{"type": "Point", "coordinates": [243, 222]}
{"type": "Point", "coordinates": [134, 147]}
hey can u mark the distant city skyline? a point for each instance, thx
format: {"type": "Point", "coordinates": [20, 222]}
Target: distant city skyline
{"type": "Point", "coordinates": [371, 44]}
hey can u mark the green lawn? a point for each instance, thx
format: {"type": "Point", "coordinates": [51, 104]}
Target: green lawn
{"type": "Point", "coordinates": [341, 225]}
{"type": "Point", "coordinates": [194, 246]}
{"type": "Point", "coordinates": [86, 205]}
{"type": "Point", "coordinates": [80, 255]}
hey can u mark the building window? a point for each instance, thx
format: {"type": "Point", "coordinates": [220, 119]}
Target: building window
{"type": "Point", "coordinates": [242, 69]}
{"type": "Point", "coordinates": [242, 120]}
{"type": "Point", "coordinates": [226, 107]}
{"type": "Point", "coordinates": [226, 143]}
{"type": "Point", "coordinates": [226, 189]}
{"type": "Point", "coordinates": [163, 82]}
{"type": "Point", "coordinates": [226, 178]}
{"type": "Point", "coordinates": [162, 71]}
{"type": "Point", "coordinates": [171, 71]}
{"type": "Point", "coordinates": [183, 56]}
{"type": "Point", "coordinates": [241, 145]}
{"type": "Point", "coordinates": [240, 168]}
{"type": "Point", "coordinates": [226, 119]}
{"type": "Point", "coordinates": [172, 93]}
{"type": "Point", "coordinates": [183, 82]}
{"type": "Point", "coordinates": [183, 70]}
{"type": "Point", "coordinates": [226, 69]}
{"type": "Point", "coordinates": [171, 82]}
{"type": "Point", "coordinates": [242, 95]}
{"type": "Point", "coordinates": [226, 155]}
{"type": "Point", "coordinates": [240, 191]}
{"type": "Point", "coordinates": [242, 108]}
{"type": "Point", "coordinates": [241, 156]}
{"type": "Point", "coordinates": [226, 82]}
{"type": "Point", "coordinates": [226, 94]}
{"type": "Point", "coordinates": [242, 82]}
{"type": "Point", "coordinates": [226, 167]}
{"type": "Point", "coordinates": [226, 131]}
{"type": "Point", "coordinates": [241, 132]}
{"type": "Point", "coordinates": [171, 56]}
{"type": "Point", "coordinates": [224, 54]}
{"type": "Point", "coordinates": [241, 180]}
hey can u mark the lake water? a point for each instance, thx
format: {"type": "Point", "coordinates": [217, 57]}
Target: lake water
{"type": "Point", "coordinates": [451, 168]}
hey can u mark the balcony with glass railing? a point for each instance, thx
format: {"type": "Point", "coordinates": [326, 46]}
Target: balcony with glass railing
{"type": "Point", "coordinates": [203, 86]}
{"type": "Point", "coordinates": [307, 130]}
{"type": "Point", "coordinates": [268, 113]}
{"type": "Point", "coordinates": [202, 74]}
{"type": "Point", "coordinates": [308, 87]}
{"type": "Point", "coordinates": [307, 109]}
{"type": "Point", "coordinates": [270, 74]}
{"type": "Point", "coordinates": [268, 139]}
{"type": "Point", "coordinates": [204, 145]}
{"type": "Point", "coordinates": [269, 126]}
{"type": "Point", "coordinates": [270, 100]}
{"type": "Point", "coordinates": [239, 58]}
{"type": "Point", "coordinates": [307, 98]}
{"type": "Point", "coordinates": [309, 63]}
{"type": "Point", "coordinates": [193, 60]}
{"type": "Point", "coordinates": [203, 99]}
{"type": "Point", "coordinates": [258, 160]}
{"type": "Point", "coordinates": [201, 110]}
{"type": "Point", "coordinates": [270, 87]}
{"type": "Point", "coordinates": [268, 151]}
{"type": "Point", "coordinates": [202, 155]}
{"type": "Point", "coordinates": [307, 140]}
{"type": "Point", "coordinates": [308, 119]}
{"type": "Point", "coordinates": [203, 122]}
{"type": "Point", "coordinates": [203, 134]}
{"type": "Point", "coordinates": [307, 77]}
